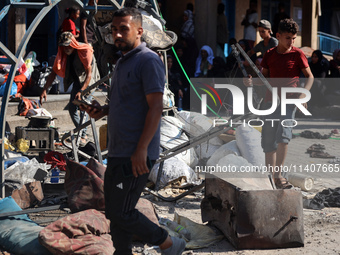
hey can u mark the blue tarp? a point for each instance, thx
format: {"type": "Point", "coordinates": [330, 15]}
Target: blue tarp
{"type": "Point", "coordinates": [14, 89]}
{"type": "Point", "coordinates": [19, 234]}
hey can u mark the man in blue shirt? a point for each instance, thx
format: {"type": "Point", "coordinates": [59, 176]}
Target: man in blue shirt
{"type": "Point", "coordinates": [134, 114]}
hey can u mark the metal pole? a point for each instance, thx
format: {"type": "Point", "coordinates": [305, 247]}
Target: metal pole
{"type": "Point", "coordinates": [45, 8]}
{"type": "Point", "coordinates": [19, 54]}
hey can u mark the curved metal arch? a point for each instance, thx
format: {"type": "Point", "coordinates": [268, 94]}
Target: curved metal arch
{"type": "Point", "coordinates": [19, 54]}
{"type": "Point", "coordinates": [49, 4]}
{"type": "Point", "coordinates": [10, 79]}
{"type": "Point", "coordinates": [4, 11]}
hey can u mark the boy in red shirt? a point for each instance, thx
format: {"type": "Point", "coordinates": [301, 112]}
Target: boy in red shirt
{"type": "Point", "coordinates": [282, 61]}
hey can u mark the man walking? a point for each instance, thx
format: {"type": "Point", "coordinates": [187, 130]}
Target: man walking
{"type": "Point", "coordinates": [134, 114]}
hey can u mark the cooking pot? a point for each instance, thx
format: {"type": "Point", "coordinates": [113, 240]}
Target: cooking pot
{"type": "Point", "coordinates": [40, 121]}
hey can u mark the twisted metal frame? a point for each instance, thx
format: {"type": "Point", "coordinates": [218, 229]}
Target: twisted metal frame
{"type": "Point", "coordinates": [45, 7]}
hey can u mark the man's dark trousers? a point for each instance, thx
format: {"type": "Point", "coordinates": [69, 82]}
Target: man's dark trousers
{"type": "Point", "coordinates": [122, 191]}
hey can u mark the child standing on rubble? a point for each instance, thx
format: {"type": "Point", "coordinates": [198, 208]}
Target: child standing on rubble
{"type": "Point", "coordinates": [282, 61]}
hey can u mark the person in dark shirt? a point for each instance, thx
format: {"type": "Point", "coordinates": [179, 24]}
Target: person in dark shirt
{"type": "Point", "coordinates": [174, 79]}
{"type": "Point", "coordinates": [278, 17]}
{"type": "Point", "coordinates": [268, 41]}
{"type": "Point", "coordinates": [319, 66]}
{"type": "Point", "coordinates": [218, 69]}
{"type": "Point", "coordinates": [134, 113]}
{"type": "Point", "coordinates": [88, 26]}
{"type": "Point", "coordinates": [334, 68]}
{"type": "Point", "coordinates": [335, 64]}
{"type": "Point", "coordinates": [90, 34]}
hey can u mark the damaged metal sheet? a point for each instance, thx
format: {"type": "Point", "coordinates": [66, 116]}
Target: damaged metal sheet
{"type": "Point", "coordinates": [254, 219]}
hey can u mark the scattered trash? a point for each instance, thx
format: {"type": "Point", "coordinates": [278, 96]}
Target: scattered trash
{"type": "Point", "coordinates": [9, 162]}
{"type": "Point", "coordinates": [335, 131]}
{"type": "Point", "coordinates": [172, 135]}
{"type": "Point", "coordinates": [247, 216]}
{"type": "Point", "coordinates": [173, 168]}
{"type": "Point", "coordinates": [197, 124]}
{"type": "Point", "coordinates": [84, 187]}
{"type": "Point", "coordinates": [325, 198]}
{"type": "Point", "coordinates": [316, 147]}
{"type": "Point", "coordinates": [174, 226]}
{"type": "Point", "coordinates": [228, 136]}
{"type": "Point", "coordinates": [302, 181]}
{"type": "Point", "coordinates": [8, 145]}
{"type": "Point", "coordinates": [314, 135]}
{"type": "Point", "coordinates": [55, 159]}
{"type": "Point", "coordinates": [11, 154]}
{"type": "Point", "coordinates": [26, 104]}
{"type": "Point", "coordinates": [14, 89]}
{"type": "Point", "coordinates": [205, 150]}
{"type": "Point", "coordinates": [320, 154]}
{"type": "Point", "coordinates": [22, 145]}
{"type": "Point", "coordinates": [201, 235]}
{"type": "Point", "coordinates": [29, 195]}
{"type": "Point", "coordinates": [55, 172]}
{"type": "Point", "coordinates": [317, 151]}
{"type": "Point", "coordinates": [23, 173]}
{"type": "Point", "coordinates": [40, 175]}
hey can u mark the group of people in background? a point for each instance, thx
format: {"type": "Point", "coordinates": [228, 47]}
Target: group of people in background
{"type": "Point", "coordinates": [204, 63]}
{"type": "Point", "coordinates": [87, 32]}
{"type": "Point", "coordinates": [321, 69]}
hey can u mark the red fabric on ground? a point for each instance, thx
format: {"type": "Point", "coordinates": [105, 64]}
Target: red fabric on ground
{"type": "Point", "coordinates": [56, 159]}
{"type": "Point", "coordinates": [85, 232]}
{"type": "Point", "coordinates": [85, 189]}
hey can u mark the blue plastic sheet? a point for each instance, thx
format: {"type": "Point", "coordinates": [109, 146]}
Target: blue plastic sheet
{"type": "Point", "coordinates": [14, 89]}
{"type": "Point", "coordinates": [11, 161]}
{"type": "Point", "coordinates": [19, 234]}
